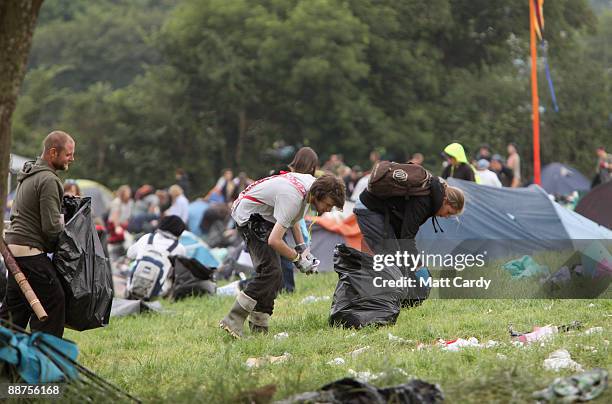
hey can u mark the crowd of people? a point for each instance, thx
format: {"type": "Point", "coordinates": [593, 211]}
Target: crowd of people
{"type": "Point", "coordinates": [238, 209]}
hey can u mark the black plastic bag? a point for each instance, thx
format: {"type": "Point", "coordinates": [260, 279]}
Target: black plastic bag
{"type": "Point", "coordinates": [191, 278]}
{"type": "Point", "coordinates": [84, 271]}
{"type": "Point", "coordinates": [352, 391]}
{"type": "Point", "coordinates": [358, 301]}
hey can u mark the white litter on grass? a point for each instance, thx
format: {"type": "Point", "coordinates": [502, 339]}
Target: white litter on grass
{"type": "Point", "coordinates": [366, 375]}
{"type": "Point", "coordinates": [337, 361]}
{"type": "Point", "coordinates": [359, 351]}
{"type": "Point", "coordinates": [561, 359]}
{"type": "Point", "coordinates": [351, 335]}
{"type": "Point", "coordinates": [461, 343]}
{"type": "Point", "coordinates": [501, 356]}
{"type": "Point", "coordinates": [314, 299]}
{"type": "Point", "coordinates": [281, 336]}
{"type": "Point", "coordinates": [399, 339]}
{"type": "Point", "coordinates": [257, 362]}
{"type": "Point", "coordinates": [594, 330]}
{"type": "Point", "coordinates": [591, 305]}
{"type": "Point", "coordinates": [230, 289]}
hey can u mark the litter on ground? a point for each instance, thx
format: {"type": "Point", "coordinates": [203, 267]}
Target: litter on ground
{"type": "Point", "coordinates": [594, 330]}
{"type": "Point", "coordinates": [561, 359]}
{"type": "Point", "coordinates": [579, 387]}
{"type": "Point", "coordinates": [258, 362]}
{"type": "Point", "coordinates": [337, 361]}
{"type": "Point", "coordinates": [359, 351]}
{"type": "Point", "coordinates": [399, 339]}
{"type": "Point", "coordinates": [314, 299]}
{"type": "Point", "coordinates": [281, 336]}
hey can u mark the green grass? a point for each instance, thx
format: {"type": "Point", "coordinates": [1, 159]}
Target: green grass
{"type": "Point", "coordinates": [182, 355]}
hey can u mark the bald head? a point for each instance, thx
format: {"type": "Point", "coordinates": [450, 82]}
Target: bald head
{"type": "Point", "coordinates": [56, 140]}
{"type": "Point", "coordinates": [58, 150]}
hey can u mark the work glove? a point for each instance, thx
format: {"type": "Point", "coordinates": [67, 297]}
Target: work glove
{"type": "Point", "coordinates": [306, 263]}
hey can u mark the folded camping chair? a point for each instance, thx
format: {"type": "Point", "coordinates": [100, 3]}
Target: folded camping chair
{"type": "Point", "coordinates": [36, 358]}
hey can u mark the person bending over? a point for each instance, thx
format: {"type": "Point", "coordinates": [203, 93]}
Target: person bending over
{"type": "Point", "coordinates": [264, 212]}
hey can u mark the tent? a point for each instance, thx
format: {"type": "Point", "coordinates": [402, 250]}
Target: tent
{"type": "Point", "coordinates": [197, 249]}
{"type": "Point", "coordinates": [503, 220]}
{"type": "Point", "coordinates": [597, 205]}
{"type": "Point", "coordinates": [101, 197]}
{"type": "Point", "coordinates": [329, 230]}
{"type": "Point", "coordinates": [560, 179]}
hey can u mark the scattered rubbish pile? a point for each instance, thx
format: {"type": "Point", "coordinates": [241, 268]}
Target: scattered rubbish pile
{"type": "Point", "coordinates": [349, 390]}
{"type": "Point", "coordinates": [579, 387]}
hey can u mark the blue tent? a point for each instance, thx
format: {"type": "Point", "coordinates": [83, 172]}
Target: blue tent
{"type": "Point", "coordinates": [559, 179]}
{"type": "Point", "coordinates": [197, 249]}
{"type": "Point", "coordinates": [507, 221]}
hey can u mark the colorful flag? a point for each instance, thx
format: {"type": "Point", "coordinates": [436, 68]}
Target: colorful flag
{"type": "Point", "coordinates": [539, 17]}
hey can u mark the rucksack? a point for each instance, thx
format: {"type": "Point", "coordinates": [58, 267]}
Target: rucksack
{"type": "Point", "coordinates": [389, 179]}
{"type": "Point", "coordinates": [146, 280]}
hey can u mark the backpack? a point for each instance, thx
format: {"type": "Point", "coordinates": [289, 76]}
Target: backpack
{"type": "Point", "coordinates": [148, 272]}
{"type": "Point", "coordinates": [389, 179]}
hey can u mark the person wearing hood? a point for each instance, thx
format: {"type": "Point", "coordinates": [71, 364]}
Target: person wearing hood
{"type": "Point", "coordinates": [458, 166]}
{"type": "Point", "coordinates": [36, 224]}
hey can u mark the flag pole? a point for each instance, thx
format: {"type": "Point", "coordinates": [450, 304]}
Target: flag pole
{"type": "Point", "coordinates": [534, 95]}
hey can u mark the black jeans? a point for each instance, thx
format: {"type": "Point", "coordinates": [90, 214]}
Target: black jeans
{"type": "Point", "coordinates": [42, 276]}
{"type": "Point", "coordinates": [268, 279]}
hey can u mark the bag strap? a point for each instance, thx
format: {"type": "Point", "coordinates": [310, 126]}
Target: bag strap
{"type": "Point", "coordinates": [173, 246]}
{"type": "Point", "coordinates": [170, 249]}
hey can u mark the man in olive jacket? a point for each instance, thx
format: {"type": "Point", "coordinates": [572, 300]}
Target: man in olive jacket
{"type": "Point", "coordinates": [36, 223]}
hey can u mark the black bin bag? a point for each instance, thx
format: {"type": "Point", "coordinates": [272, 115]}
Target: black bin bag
{"type": "Point", "coordinates": [358, 301]}
{"type": "Point", "coordinates": [84, 269]}
{"type": "Point", "coordinates": [191, 278]}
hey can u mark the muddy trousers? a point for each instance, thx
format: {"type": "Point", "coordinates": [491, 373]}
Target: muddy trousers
{"type": "Point", "coordinates": [268, 279]}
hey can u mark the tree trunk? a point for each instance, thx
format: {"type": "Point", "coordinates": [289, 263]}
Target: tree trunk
{"type": "Point", "coordinates": [17, 22]}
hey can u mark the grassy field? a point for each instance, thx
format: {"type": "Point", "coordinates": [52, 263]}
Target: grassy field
{"type": "Point", "coordinates": [182, 355]}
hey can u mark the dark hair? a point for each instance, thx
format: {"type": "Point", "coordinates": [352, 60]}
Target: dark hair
{"type": "Point", "coordinates": [328, 185]}
{"type": "Point", "coordinates": [305, 161]}
{"type": "Point", "coordinates": [172, 224]}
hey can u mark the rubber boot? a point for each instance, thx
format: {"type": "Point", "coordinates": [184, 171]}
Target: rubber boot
{"type": "Point", "coordinates": [258, 322]}
{"type": "Point", "coordinates": [233, 322]}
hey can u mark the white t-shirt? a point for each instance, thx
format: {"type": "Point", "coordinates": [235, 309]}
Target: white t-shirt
{"type": "Point", "coordinates": [488, 177]}
{"type": "Point", "coordinates": [280, 201]}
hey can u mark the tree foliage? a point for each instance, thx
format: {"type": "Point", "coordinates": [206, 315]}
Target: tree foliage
{"type": "Point", "coordinates": [146, 86]}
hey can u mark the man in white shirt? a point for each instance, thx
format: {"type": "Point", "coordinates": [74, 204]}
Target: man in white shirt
{"type": "Point", "coordinates": [164, 242]}
{"type": "Point", "coordinates": [487, 177]}
{"type": "Point", "coordinates": [264, 212]}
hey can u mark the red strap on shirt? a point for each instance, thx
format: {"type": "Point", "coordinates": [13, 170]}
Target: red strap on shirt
{"type": "Point", "coordinates": [243, 195]}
